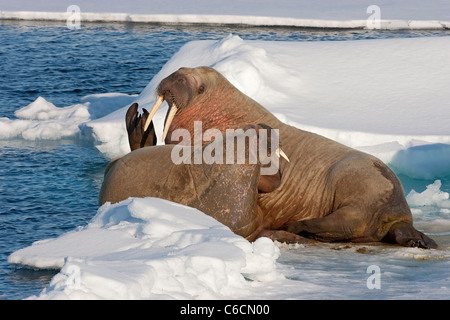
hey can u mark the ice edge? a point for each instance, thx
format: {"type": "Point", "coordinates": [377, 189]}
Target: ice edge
{"type": "Point", "coordinates": [223, 20]}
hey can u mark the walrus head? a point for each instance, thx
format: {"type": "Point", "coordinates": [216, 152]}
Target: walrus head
{"type": "Point", "coordinates": [180, 90]}
{"type": "Point", "coordinates": [182, 86]}
{"type": "Point", "coordinates": [203, 94]}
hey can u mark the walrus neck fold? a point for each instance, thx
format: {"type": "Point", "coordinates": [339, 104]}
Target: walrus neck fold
{"type": "Point", "coordinates": [215, 112]}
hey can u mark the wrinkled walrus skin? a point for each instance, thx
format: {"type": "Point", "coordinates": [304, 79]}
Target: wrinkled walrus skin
{"type": "Point", "coordinates": [228, 193]}
{"type": "Point", "coordinates": [328, 191]}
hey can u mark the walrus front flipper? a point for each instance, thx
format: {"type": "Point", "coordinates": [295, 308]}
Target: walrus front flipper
{"type": "Point", "coordinates": [268, 183]}
{"type": "Point", "coordinates": [344, 224]}
{"type": "Point", "coordinates": [283, 236]}
{"type": "Point", "coordinates": [406, 235]}
{"type": "Point", "coordinates": [137, 136]}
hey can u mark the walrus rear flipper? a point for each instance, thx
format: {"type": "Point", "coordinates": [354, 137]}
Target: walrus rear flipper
{"type": "Point", "coordinates": [137, 136]}
{"type": "Point", "coordinates": [405, 235]}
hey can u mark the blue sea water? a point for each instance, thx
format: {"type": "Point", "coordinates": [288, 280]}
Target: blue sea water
{"type": "Point", "coordinates": [50, 187]}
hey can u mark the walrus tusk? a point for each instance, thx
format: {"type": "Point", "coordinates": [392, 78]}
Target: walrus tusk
{"type": "Point", "coordinates": [170, 117]}
{"type": "Point", "coordinates": [155, 108]}
{"type": "Point", "coordinates": [281, 153]}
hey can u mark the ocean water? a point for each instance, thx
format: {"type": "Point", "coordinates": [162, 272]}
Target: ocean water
{"type": "Point", "coordinates": [50, 187]}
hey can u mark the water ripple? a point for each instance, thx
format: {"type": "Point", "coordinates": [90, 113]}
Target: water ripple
{"type": "Point", "coordinates": [49, 187]}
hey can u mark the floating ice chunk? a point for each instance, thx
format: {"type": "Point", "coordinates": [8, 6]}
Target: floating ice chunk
{"type": "Point", "coordinates": [429, 161]}
{"type": "Point", "coordinates": [318, 14]}
{"type": "Point", "coordinates": [306, 84]}
{"type": "Point", "coordinates": [149, 248]}
{"type": "Point", "coordinates": [41, 119]}
{"type": "Point", "coordinates": [43, 110]}
{"type": "Point", "coordinates": [432, 196]}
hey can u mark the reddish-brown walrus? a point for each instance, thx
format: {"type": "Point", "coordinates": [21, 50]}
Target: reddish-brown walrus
{"type": "Point", "coordinates": [328, 191]}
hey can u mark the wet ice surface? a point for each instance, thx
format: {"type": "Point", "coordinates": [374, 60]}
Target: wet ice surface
{"type": "Point", "coordinates": [342, 271]}
{"type": "Point", "coordinates": [151, 248]}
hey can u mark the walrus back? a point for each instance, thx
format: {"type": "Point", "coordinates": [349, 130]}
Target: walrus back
{"type": "Point", "coordinates": [134, 176]}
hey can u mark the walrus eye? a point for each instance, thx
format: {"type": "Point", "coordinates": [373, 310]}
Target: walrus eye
{"type": "Point", "coordinates": [201, 89]}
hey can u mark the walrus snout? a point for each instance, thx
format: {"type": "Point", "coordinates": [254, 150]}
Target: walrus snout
{"type": "Point", "coordinates": [178, 90]}
{"type": "Point", "coordinates": [180, 87]}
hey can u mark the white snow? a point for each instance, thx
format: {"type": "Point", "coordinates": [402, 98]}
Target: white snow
{"type": "Point", "coordinates": [432, 196]}
{"type": "Point", "coordinates": [385, 97]}
{"type": "Point", "coordinates": [155, 249]}
{"type": "Point", "coordinates": [152, 249]}
{"type": "Point", "coordinates": [41, 119]}
{"type": "Point", "coordinates": [394, 14]}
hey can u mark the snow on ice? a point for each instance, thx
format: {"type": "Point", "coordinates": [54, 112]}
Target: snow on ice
{"type": "Point", "coordinates": [152, 249]}
{"type": "Point", "coordinates": [394, 14]}
{"type": "Point", "coordinates": [432, 196]}
{"type": "Point", "coordinates": [386, 97]}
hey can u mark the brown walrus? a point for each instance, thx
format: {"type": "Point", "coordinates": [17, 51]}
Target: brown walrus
{"type": "Point", "coordinates": [328, 191]}
{"type": "Point", "coordinates": [229, 193]}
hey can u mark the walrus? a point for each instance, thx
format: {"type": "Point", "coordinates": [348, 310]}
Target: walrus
{"type": "Point", "coordinates": [328, 191]}
{"type": "Point", "coordinates": [226, 192]}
